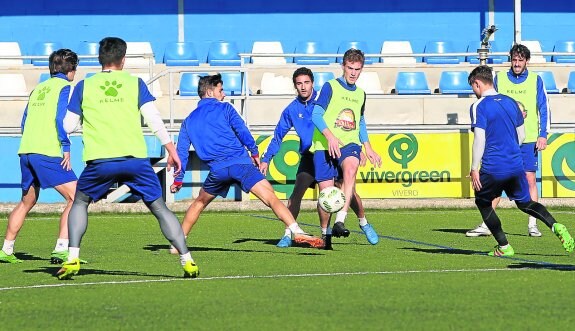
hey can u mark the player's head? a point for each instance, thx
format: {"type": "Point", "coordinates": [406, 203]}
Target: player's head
{"type": "Point", "coordinates": [480, 79]}
{"type": "Point", "coordinates": [519, 55]}
{"type": "Point", "coordinates": [352, 64]}
{"type": "Point", "coordinates": [112, 52]}
{"type": "Point", "coordinates": [211, 87]}
{"type": "Point", "coordinates": [63, 61]}
{"type": "Point", "coordinates": [303, 82]}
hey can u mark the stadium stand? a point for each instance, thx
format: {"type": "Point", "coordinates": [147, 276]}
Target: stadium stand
{"type": "Point", "coordinates": [142, 50]}
{"type": "Point", "coordinates": [454, 82]}
{"type": "Point", "coordinates": [268, 47]}
{"type": "Point", "coordinates": [272, 84]}
{"type": "Point", "coordinates": [534, 47]}
{"type": "Point", "coordinates": [180, 54]}
{"type": "Point", "coordinates": [369, 82]}
{"type": "Point", "coordinates": [411, 83]}
{"type": "Point", "coordinates": [397, 47]}
{"type": "Point", "coordinates": [13, 85]}
{"type": "Point", "coordinates": [43, 76]}
{"type": "Point", "coordinates": [320, 78]}
{"type": "Point", "coordinates": [440, 47]}
{"type": "Point", "coordinates": [224, 53]}
{"type": "Point", "coordinates": [361, 45]}
{"type": "Point", "coordinates": [564, 46]}
{"type": "Point", "coordinates": [548, 81]}
{"type": "Point", "coordinates": [232, 83]}
{"type": "Point", "coordinates": [10, 48]}
{"type": "Point", "coordinates": [155, 88]}
{"type": "Point", "coordinates": [44, 49]}
{"type": "Point", "coordinates": [189, 83]}
{"type": "Point", "coordinates": [493, 59]}
{"type": "Point", "coordinates": [311, 47]}
{"type": "Point", "coordinates": [88, 48]}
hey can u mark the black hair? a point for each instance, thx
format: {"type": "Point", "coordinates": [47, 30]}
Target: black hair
{"type": "Point", "coordinates": [112, 51]}
{"type": "Point", "coordinates": [481, 73]}
{"type": "Point", "coordinates": [302, 71]}
{"type": "Point", "coordinates": [62, 61]}
{"type": "Point", "coordinates": [520, 50]}
{"type": "Point", "coordinates": [208, 83]}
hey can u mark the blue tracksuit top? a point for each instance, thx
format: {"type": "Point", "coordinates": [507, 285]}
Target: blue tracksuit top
{"type": "Point", "coordinates": [218, 134]}
{"type": "Point", "coordinates": [296, 115]}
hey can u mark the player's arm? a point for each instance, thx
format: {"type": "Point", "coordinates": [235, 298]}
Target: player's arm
{"type": "Point", "coordinates": [243, 133]}
{"type": "Point", "coordinates": [61, 110]}
{"type": "Point", "coordinates": [282, 128]}
{"type": "Point", "coordinates": [476, 155]}
{"type": "Point", "coordinates": [73, 118]}
{"type": "Point", "coordinates": [544, 115]}
{"type": "Point", "coordinates": [182, 150]}
{"type": "Point", "coordinates": [520, 126]}
{"type": "Point", "coordinates": [23, 122]}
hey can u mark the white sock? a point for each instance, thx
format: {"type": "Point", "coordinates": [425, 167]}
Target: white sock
{"type": "Point", "coordinates": [73, 253]}
{"type": "Point", "coordinates": [532, 221]}
{"type": "Point", "coordinates": [362, 221]}
{"type": "Point", "coordinates": [185, 258]}
{"type": "Point", "coordinates": [287, 232]}
{"type": "Point", "coordinates": [340, 216]}
{"type": "Point", "coordinates": [504, 246]}
{"type": "Point", "coordinates": [324, 231]}
{"type": "Point", "coordinates": [295, 229]}
{"type": "Point", "coordinates": [61, 245]}
{"type": "Point", "coordinates": [8, 247]}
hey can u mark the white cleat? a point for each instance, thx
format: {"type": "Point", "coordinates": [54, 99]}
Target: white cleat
{"type": "Point", "coordinates": [534, 231]}
{"type": "Point", "coordinates": [479, 231]}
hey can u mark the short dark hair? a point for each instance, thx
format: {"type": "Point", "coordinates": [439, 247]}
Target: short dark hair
{"type": "Point", "coordinates": [301, 72]}
{"type": "Point", "coordinates": [112, 51]}
{"type": "Point", "coordinates": [208, 83]}
{"type": "Point", "coordinates": [520, 50]}
{"type": "Point", "coordinates": [62, 61]}
{"type": "Point", "coordinates": [481, 73]}
{"type": "Point", "coordinates": [353, 55]}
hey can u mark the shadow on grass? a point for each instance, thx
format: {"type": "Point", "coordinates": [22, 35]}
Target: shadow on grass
{"type": "Point", "coordinates": [547, 266]}
{"type": "Point", "coordinates": [28, 257]}
{"type": "Point", "coordinates": [156, 248]}
{"type": "Point", "coordinates": [463, 231]}
{"type": "Point", "coordinates": [90, 271]}
{"type": "Point", "coordinates": [444, 251]}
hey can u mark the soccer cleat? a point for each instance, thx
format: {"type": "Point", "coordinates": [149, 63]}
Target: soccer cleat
{"type": "Point", "coordinates": [533, 231]}
{"type": "Point", "coordinates": [498, 251]}
{"type": "Point", "coordinates": [561, 232]}
{"type": "Point", "coordinates": [370, 234]}
{"type": "Point", "coordinates": [480, 230]}
{"type": "Point", "coordinates": [304, 238]}
{"type": "Point", "coordinates": [9, 258]}
{"type": "Point", "coordinates": [339, 230]}
{"type": "Point", "coordinates": [58, 257]}
{"type": "Point", "coordinates": [69, 269]}
{"type": "Point", "coordinates": [191, 270]}
{"type": "Point", "coordinates": [284, 242]}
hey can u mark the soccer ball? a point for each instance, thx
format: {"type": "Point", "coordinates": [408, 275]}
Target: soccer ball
{"type": "Point", "coordinates": [331, 199]}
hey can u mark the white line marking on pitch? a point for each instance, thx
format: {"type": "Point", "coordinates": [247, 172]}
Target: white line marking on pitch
{"type": "Point", "coordinates": [335, 274]}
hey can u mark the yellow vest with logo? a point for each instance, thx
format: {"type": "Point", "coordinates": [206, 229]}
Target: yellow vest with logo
{"type": "Point", "coordinates": [526, 93]}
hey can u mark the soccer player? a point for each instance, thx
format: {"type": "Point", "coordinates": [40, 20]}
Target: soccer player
{"type": "Point", "coordinates": [528, 88]}
{"type": "Point", "coordinates": [222, 140]}
{"type": "Point", "coordinates": [45, 153]}
{"type": "Point", "coordinates": [340, 129]}
{"type": "Point", "coordinates": [109, 105]}
{"type": "Point", "coordinates": [297, 115]}
{"type": "Point", "coordinates": [498, 129]}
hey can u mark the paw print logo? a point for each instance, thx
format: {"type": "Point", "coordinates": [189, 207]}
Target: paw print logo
{"type": "Point", "coordinates": [111, 89]}
{"type": "Point", "coordinates": [45, 90]}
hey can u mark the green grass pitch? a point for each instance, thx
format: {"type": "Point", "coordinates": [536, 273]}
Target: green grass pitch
{"type": "Point", "coordinates": [423, 275]}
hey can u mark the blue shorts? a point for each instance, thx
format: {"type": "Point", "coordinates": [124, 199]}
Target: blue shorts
{"type": "Point", "coordinates": [44, 171]}
{"type": "Point", "coordinates": [327, 168]}
{"type": "Point", "coordinates": [219, 181]}
{"type": "Point", "coordinates": [136, 173]}
{"type": "Point", "coordinates": [515, 186]}
{"type": "Point", "coordinates": [530, 157]}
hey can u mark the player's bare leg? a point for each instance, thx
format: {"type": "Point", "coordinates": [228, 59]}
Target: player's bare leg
{"type": "Point", "coordinates": [15, 223]}
{"type": "Point", "coordinates": [193, 214]}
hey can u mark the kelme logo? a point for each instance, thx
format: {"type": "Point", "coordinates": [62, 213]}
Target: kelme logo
{"type": "Point", "coordinates": [111, 88]}
{"type": "Point", "coordinates": [42, 93]}
{"type": "Point", "coordinates": [403, 148]}
{"type": "Point", "coordinates": [563, 160]}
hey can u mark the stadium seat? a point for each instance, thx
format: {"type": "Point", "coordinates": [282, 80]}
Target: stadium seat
{"type": "Point", "coordinates": [440, 47]}
{"type": "Point", "coordinates": [571, 82]}
{"type": "Point", "coordinates": [361, 45]}
{"type": "Point", "coordinates": [13, 85]}
{"type": "Point", "coordinates": [232, 83]}
{"type": "Point", "coordinates": [155, 89]}
{"type": "Point", "coordinates": [320, 78]}
{"type": "Point", "coordinates": [89, 74]}
{"type": "Point", "coordinates": [268, 47]}
{"type": "Point", "coordinates": [44, 76]}
{"type": "Point", "coordinates": [9, 48]}
{"type": "Point", "coordinates": [454, 82]}
{"type": "Point", "coordinates": [139, 49]}
{"type": "Point", "coordinates": [493, 59]}
{"type": "Point", "coordinates": [397, 47]}
{"type": "Point", "coordinates": [89, 48]}
{"type": "Point", "coordinates": [44, 50]}
{"type": "Point", "coordinates": [369, 82]}
{"type": "Point", "coordinates": [311, 47]}
{"type": "Point", "coordinates": [534, 47]}
{"type": "Point", "coordinates": [564, 46]}
{"type": "Point", "coordinates": [272, 84]}
{"type": "Point", "coordinates": [181, 54]}
{"type": "Point", "coordinates": [189, 83]}
{"type": "Point", "coordinates": [224, 53]}
{"type": "Point", "coordinates": [411, 83]}
{"type": "Point", "coordinates": [548, 81]}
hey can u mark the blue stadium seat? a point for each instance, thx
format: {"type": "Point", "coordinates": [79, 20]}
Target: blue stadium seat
{"type": "Point", "coordinates": [89, 74]}
{"type": "Point", "coordinates": [411, 83]}
{"type": "Point", "coordinates": [43, 76]}
{"type": "Point", "coordinates": [232, 83]}
{"type": "Point", "coordinates": [361, 45]}
{"type": "Point", "coordinates": [181, 54]}
{"type": "Point", "coordinates": [564, 46]}
{"type": "Point", "coordinates": [89, 48]}
{"type": "Point", "coordinates": [223, 53]}
{"type": "Point", "coordinates": [493, 59]}
{"type": "Point", "coordinates": [440, 47]}
{"type": "Point", "coordinates": [454, 82]}
{"type": "Point", "coordinates": [44, 49]}
{"type": "Point", "coordinates": [320, 78]}
{"type": "Point", "coordinates": [311, 47]}
{"type": "Point", "coordinates": [548, 81]}
{"type": "Point", "coordinates": [189, 83]}
{"type": "Point", "coordinates": [571, 82]}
